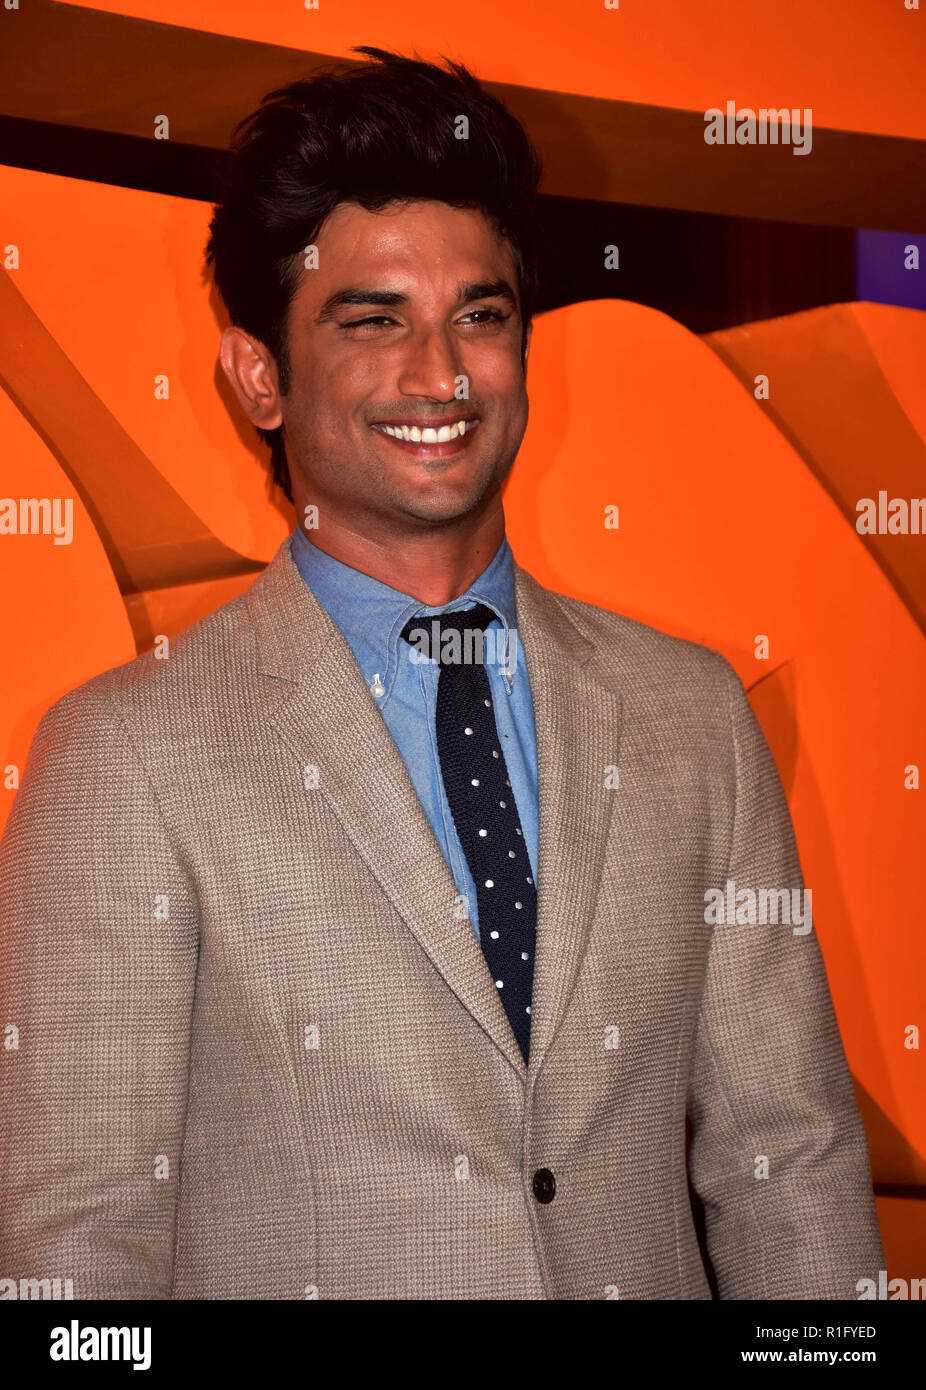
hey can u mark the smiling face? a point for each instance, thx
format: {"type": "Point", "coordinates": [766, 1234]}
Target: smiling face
{"type": "Point", "coordinates": [406, 304]}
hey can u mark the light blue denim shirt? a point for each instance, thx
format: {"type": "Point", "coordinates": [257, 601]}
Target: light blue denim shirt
{"type": "Point", "coordinates": [371, 615]}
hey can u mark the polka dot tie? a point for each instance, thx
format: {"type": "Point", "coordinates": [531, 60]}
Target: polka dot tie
{"type": "Point", "coordinates": [483, 807]}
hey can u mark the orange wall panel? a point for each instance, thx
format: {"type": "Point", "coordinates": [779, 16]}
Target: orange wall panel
{"type": "Point", "coordinates": [857, 63]}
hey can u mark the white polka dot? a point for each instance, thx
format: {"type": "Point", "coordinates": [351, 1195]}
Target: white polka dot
{"type": "Point", "coordinates": [494, 752]}
{"type": "Point", "coordinates": [499, 984]}
{"type": "Point", "coordinates": [524, 955]}
{"type": "Point", "coordinates": [467, 731]}
{"type": "Point", "coordinates": [488, 703]}
{"type": "Point", "coordinates": [474, 782]}
{"type": "Point", "coordinates": [483, 832]}
{"type": "Point", "coordinates": [494, 935]}
{"type": "Point", "coordinates": [529, 879]}
{"type": "Point", "coordinates": [511, 854]}
{"type": "Point", "coordinates": [517, 830]}
{"type": "Point", "coordinates": [528, 1009]}
{"type": "Point", "coordinates": [490, 883]}
{"type": "Point", "coordinates": [503, 805]}
{"type": "Point", "coordinates": [519, 904]}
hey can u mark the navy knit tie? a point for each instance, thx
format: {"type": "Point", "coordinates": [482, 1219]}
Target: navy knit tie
{"type": "Point", "coordinates": [483, 806]}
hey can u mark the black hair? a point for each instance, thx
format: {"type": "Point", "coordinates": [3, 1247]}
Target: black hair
{"type": "Point", "coordinates": [379, 132]}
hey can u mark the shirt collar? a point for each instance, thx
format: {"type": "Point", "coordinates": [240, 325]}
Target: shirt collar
{"type": "Point", "coordinates": [371, 615]}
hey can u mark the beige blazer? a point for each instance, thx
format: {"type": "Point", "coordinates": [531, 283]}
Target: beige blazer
{"type": "Point", "coordinates": [252, 1050]}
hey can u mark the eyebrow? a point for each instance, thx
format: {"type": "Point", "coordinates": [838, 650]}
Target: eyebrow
{"type": "Point", "coordinates": [467, 291]}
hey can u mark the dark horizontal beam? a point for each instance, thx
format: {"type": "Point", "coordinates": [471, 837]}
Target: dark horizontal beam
{"type": "Point", "coordinates": [102, 156]}
{"type": "Point", "coordinates": [73, 67]}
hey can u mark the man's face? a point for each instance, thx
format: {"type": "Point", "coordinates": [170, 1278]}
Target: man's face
{"type": "Point", "coordinates": [409, 308]}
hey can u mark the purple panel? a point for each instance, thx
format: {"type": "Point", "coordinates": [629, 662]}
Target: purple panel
{"type": "Point", "coordinates": [880, 274]}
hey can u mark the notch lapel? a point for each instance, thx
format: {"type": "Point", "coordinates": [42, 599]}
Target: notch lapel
{"type": "Point", "coordinates": [578, 723]}
{"type": "Point", "coordinates": [318, 702]}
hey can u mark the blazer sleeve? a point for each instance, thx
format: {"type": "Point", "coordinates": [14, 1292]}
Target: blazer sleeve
{"type": "Point", "coordinates": [98, 954]}
{"type": "Point", "coordinates": [770, 1088]}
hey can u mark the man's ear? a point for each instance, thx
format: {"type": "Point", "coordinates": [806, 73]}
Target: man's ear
{"type": "Point", "coordinates": [252, 371]}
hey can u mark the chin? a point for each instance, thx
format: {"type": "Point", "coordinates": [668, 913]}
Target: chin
{"type": "Point", "coordinates": [444, 508]}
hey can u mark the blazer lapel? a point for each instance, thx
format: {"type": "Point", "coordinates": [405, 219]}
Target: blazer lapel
{"type": "Point", "coordinates": [317, 700]}
{"type": "Point", "coordinates": [578, 723]}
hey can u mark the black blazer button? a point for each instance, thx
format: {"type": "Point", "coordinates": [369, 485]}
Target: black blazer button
{"type": "Point", "coordinates": [544, 1185]}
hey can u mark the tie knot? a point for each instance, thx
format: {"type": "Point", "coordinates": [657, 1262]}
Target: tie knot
{"type": "Point", "coordinates": [428, 633]}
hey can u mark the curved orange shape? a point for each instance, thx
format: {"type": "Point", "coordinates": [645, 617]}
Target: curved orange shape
{"type": "Point", "coordinates": [725, 536]}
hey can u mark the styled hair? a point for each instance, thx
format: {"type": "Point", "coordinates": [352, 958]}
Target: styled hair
{"type": "Point", "coordinates": [385, 131]}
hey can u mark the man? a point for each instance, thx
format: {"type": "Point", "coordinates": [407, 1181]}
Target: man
{"type": "Point", "coordinates": [357, 957]}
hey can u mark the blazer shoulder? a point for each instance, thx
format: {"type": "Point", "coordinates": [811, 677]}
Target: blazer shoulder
{"type": "Point", "coordinates": [190, 674]}
{"type": "Point", "coordinates": [646, 653]}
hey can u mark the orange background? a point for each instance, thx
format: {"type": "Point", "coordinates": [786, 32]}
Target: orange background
{"type": "Point", "coordinates": [858, 63]}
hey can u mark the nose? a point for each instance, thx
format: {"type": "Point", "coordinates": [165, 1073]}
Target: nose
{"type": "Point", "coordinates": [431, 365]}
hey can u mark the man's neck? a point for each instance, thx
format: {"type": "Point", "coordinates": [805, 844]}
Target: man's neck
{"type": "Point", "coordinates": [434, 567]}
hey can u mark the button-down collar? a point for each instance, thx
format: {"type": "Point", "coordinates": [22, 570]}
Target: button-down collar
{"type": "Point", "coordinates": [371, 615]}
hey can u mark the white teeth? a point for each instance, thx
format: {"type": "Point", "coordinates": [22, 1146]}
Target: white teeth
{"type": "Point", "coordinates": [426, 436]}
